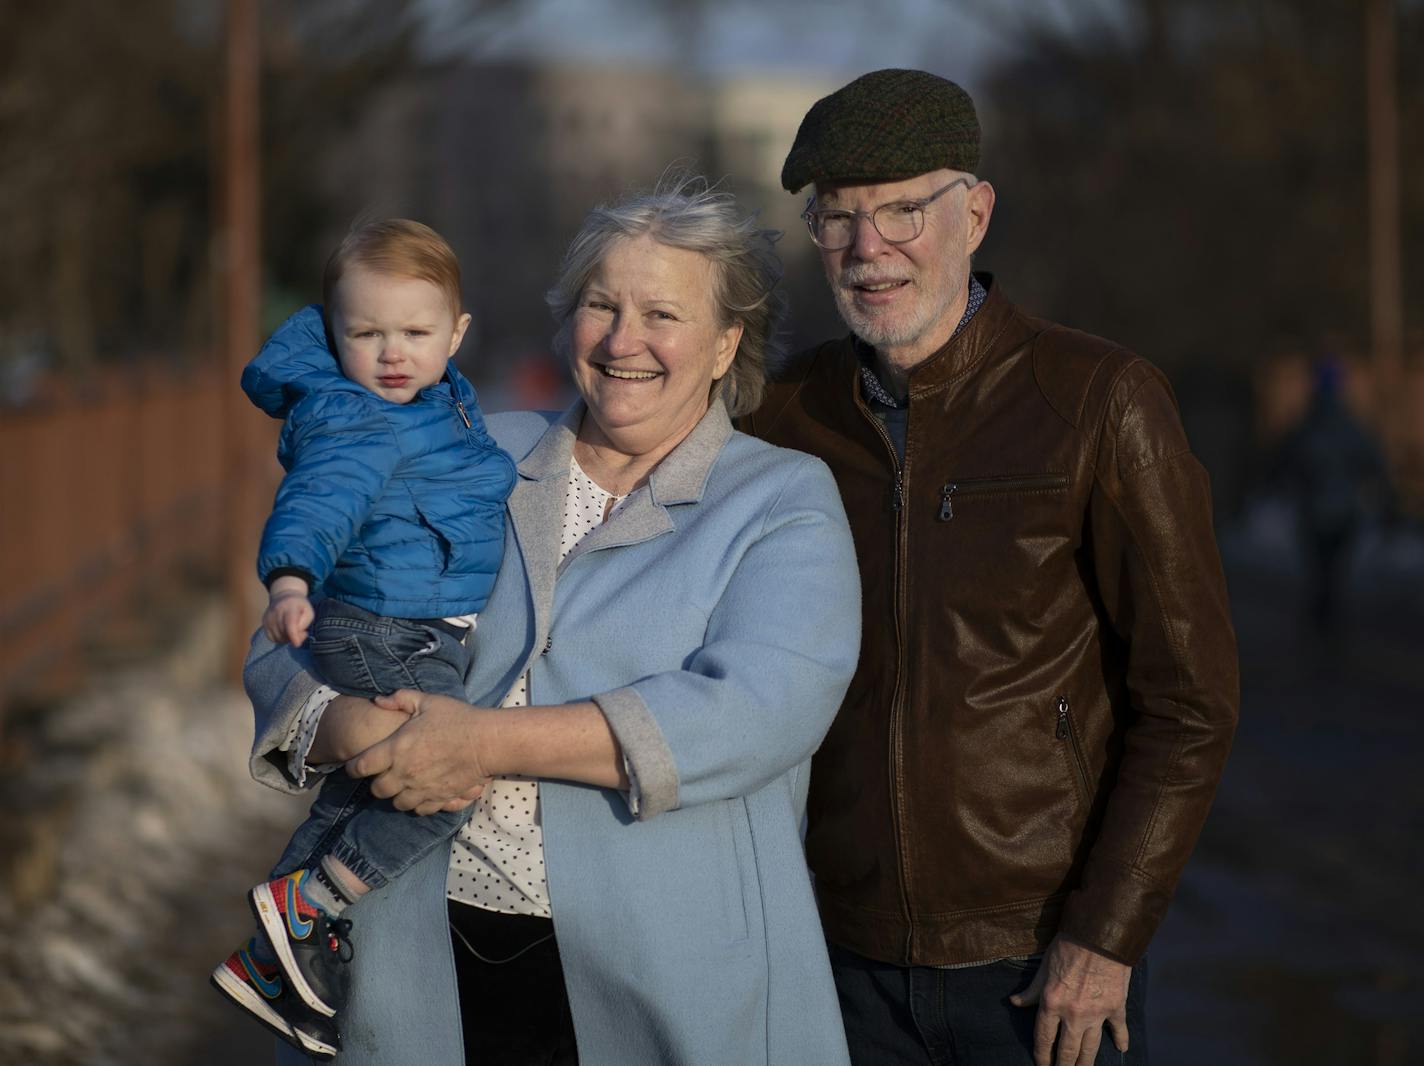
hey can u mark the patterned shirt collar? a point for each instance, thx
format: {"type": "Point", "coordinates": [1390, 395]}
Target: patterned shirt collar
{"type": "Point", "coordinates": [871, 383]}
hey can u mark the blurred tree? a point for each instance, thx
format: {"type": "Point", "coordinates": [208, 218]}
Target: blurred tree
{"type": "Point", "coordinates": [326, 67]}
{"type": "Point", "coordinates": [104, 189]}
{"type": "Point", "coordinates": [349, 127]}
{"type": "Point", "coordinates": [109, 114]}
{"type": "Point", "coordinates": [1189, 177]}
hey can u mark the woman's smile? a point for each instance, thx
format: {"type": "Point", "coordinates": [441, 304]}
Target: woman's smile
{"type": "Point", "coordinates": [625, 374]}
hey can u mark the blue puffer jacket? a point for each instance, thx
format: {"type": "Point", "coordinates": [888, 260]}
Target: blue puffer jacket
{"type": "Point", "coordinates": [396, 508]}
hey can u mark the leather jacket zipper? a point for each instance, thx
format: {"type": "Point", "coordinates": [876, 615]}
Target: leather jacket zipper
{"type": "Point", "coordinates": [1064, 731]}
{"type": "Point", "coordinates": [898, 695]}
{"type": "Point", "coordinates": [990, 485]}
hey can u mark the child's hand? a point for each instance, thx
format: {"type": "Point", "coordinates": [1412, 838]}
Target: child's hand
{"type": "Point", "coordinates": [288, 616]}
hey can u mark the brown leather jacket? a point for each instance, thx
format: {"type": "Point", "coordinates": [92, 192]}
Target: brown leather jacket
{"type": "Point", "coordinates": [1047, 685]}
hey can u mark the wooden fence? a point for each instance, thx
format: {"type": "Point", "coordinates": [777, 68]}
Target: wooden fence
{"type": "Point", "coordinates": [109, 487]}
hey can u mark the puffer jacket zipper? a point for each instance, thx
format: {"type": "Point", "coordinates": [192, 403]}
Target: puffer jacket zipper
{"type": "Point", "coordinates": [449, 380]}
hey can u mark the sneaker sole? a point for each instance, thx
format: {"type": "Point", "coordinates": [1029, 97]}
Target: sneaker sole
{"type": "Point", "coordinates": [274, 927]}
{"type": "Point", "coordinates": [242, 994]}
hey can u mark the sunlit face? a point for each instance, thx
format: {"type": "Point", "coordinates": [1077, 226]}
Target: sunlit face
{"type": "Point", "coordinates": [645, 343]}
{"type": "Point", "coordinates": [905, 299]}
{"type": "Point", "coordinates": [394, 335]}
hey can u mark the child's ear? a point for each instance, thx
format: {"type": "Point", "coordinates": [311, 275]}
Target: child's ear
{"type": "Point", "coordinates": [461, 324]}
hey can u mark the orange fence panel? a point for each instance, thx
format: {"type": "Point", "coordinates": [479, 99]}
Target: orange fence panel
{"type": "Point", "coordinates": [105, 489]}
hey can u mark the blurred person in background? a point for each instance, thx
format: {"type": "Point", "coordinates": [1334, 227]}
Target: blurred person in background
{"type": "Point", "coordinates": [1047, 688]}
{"type": "Point", "coordinates": [1335, 473]}
{"type": "Point", "coordinates": [673, 627]}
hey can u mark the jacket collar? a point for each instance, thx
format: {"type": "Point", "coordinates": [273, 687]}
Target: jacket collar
{"type": "Point", "coordinates": [996, 326]}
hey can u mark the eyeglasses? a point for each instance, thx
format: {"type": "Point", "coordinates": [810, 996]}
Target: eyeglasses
{"type": "Point", "coordinates": [897, 222]}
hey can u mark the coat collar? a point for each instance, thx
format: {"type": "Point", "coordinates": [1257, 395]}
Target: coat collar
{"type": "Point", "coordinates": [536, 507]}
{"type": "Point", "coordinates": [679, 478]}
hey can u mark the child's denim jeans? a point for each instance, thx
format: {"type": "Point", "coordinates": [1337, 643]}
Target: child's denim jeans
{"type": "Point", "coordinates": [364, 654]}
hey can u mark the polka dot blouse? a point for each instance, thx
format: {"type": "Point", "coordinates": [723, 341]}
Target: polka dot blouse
{"type": "Point", "coordinates": [497, 861]}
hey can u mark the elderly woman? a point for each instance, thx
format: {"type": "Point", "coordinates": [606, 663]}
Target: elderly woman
{"type": "Point", "coordinates": [672, 630]}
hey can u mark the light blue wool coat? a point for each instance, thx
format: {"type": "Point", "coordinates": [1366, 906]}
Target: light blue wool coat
{"type": "Point", "coordinates": [715, 620]}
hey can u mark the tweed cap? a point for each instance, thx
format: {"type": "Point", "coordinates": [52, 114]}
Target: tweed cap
{"type": "Point", "coordinates": [887, 125]}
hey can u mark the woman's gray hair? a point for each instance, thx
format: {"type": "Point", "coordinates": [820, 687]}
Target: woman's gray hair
{"type": "Point", "coordinates": [685, 211]}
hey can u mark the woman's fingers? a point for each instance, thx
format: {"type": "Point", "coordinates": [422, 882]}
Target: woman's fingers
{"type": "Point", "coordinates": [459, 803]}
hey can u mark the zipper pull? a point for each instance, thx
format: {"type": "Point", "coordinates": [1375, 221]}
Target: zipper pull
{"type": "Point", "coordinates": [459, 406]}
{"type": "Point", "coordinates": [899, 499]}
{"type": "Point", "coordinates": [1062, 730]}
{"type": "Point", "coordinates": [946, 506]}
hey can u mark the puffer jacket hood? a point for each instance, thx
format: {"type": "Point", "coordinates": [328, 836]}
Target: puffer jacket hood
{"type": "Point", "coordinates": [294, 363]}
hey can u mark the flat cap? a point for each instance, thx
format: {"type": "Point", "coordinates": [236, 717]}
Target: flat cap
{"type": "Point", "coordinates": [887, 125]}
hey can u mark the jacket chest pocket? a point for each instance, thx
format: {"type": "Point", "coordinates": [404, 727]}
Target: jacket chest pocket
{"type": "Point", "coordinates": [967, 491]}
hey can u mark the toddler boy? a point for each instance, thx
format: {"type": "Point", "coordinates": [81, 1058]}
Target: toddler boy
{"type": "Point", "coordinates": [393, 507]}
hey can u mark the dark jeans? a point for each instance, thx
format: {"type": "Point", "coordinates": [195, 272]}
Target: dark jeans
{"type": "Point", "coordinates": [927, 1016]}
{"type": "Point", "coordinates": [364, 654]}
{"type": "Point", "coordinates": [514, 1009]}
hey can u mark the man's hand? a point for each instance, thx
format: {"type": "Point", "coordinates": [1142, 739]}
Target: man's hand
{"type": "Point", "coordinates": [289, 613]}
{"type": "Point", "coordinates": [431, 763]}
{"type": "Point", "coordinates": [1077, 991]}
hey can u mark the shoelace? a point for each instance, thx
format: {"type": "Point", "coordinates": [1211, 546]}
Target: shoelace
{"type": "Point", "coordinates": [338, 931]}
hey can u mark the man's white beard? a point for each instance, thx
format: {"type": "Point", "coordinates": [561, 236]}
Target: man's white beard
{"type": "Point", "coordinates": [894, 330]}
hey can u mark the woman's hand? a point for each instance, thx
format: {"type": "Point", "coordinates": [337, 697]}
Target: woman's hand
{"type": "Point", "coordinates": [448, 750]}
{"type": "Point", "coordinates": [432, 762]}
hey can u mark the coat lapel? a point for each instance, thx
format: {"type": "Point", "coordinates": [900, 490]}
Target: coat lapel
{"type": "Point", "coordinates": [679, 478]}
{"type": "Point", "coordinates": [536, 510]}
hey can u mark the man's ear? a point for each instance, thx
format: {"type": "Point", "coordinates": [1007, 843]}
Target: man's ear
{"type": "Point", "coordinates": [978, 207]}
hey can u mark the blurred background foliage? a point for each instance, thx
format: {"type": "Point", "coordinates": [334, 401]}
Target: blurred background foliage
{"type": "Point", "coordinates": [1186, 176]}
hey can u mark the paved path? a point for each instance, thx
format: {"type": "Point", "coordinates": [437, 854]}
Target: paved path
{"type": "Point", "coordinates": [1295, 936]}
{"type": "Point", "coordinates": [132, 833]}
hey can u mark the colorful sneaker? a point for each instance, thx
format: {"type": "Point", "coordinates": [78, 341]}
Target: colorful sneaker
{"type": "Point", "coordinates": [261, 990]}
{"type": "Point", "coordinates": [313, 950]}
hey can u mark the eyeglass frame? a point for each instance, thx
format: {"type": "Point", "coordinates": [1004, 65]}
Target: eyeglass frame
{"type": "Point", "coordinates": [809, 216]}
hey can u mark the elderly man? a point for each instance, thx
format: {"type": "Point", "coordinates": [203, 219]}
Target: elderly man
{"type": "Point", "coordinates": [1047, 686]}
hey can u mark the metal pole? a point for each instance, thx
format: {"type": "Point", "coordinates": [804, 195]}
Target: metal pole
{"type": "Point", "coordinates": [1386, 286]}
{"type": "Point", "coordinates": [240, 259]}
